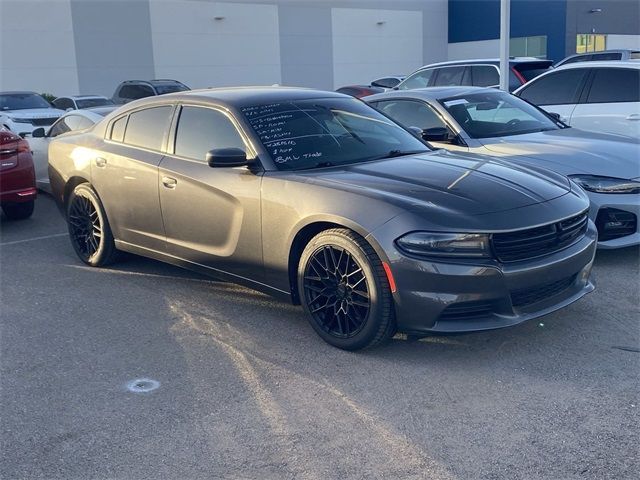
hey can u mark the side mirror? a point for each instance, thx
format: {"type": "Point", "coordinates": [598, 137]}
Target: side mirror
{"type": "Point", "coordinates": [417, 131]}
{"type": "Point", "coordinates": [226, 157]}
{"type": "Point", "coordinates": [38, 132]}
{"type": "Point", "coordinates": [436, 134]}
{"type": "Point", "coordinates": [555, 116]}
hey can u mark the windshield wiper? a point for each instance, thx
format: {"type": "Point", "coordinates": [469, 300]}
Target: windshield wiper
{"type": "Point", "coordinates": [318, 165]}
{"type": "Point", "coordinates": [399, 153]}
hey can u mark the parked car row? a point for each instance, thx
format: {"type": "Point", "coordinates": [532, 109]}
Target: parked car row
{"type": "Point", "coordinates": [22, 112]}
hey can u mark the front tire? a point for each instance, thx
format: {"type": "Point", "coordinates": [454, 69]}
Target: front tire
{"type": "Point", "coordinates": [345, 292]}
{"type": "Point", "coordinates": [19, 211]}
{"type": "Point", "coordinates": [89, 228]}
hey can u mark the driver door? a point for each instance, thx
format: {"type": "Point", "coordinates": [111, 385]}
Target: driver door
{"type": "Point", "coordinates": [211, 216]}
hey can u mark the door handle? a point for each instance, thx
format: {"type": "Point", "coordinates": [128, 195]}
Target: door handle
{"type": "Point", "coordinates": [634, 116]}
{"type": "Point", "coordinates": [101, 162]}
{"type": "Point", "coordinates": [169, 182]}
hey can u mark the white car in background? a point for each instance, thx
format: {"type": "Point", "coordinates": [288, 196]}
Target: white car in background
{"type": "Point", "coordinates": [597, 96]}
{"type": "Point", "coordinates": [69, 122]}
{"type": "Point", "coordinates": [77, 102]}
{"type": "Point", "coordinates": [21, 112]}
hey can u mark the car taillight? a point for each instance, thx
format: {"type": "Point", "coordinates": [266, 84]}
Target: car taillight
{"type": "Point", "coordinates": [519, 76]}
{"type": "Point", "coordinates": [23, 146]}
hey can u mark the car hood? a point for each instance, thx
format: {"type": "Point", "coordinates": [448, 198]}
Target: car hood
{"type": "Point", "coordinates": [445, 181]}
{"type": "Point", "coordinates": [572, 151]}
{"type": "Point", "coordinates": [34, 113]}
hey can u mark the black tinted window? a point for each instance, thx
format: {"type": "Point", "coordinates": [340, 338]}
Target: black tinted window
{"type": "Point", "coordinates": [557, 88]}
{"type": "Point", "coordinates": [615, 85]}
{"type": "Point", "coordinates": [411, 113]}
{"type": "Point", "coordinates": [451, 76]}
{"type": "Point", "coordinates": [485, 75]}
{"type": "Point", "coordinates": [117, 129]}
{"type": "Point", "coordinates": [63, 103]}
{"type": "Point", "coordinates": [146, 128]}
{"type": "Point", "coordinates": [606, 56]}
{"type": "Point", "coordinates": [203, 129]}
{"type": "Point", "coordinates": [133, 92]}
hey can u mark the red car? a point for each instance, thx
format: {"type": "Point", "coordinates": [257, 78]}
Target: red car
{"type": "Point", "coordinates": [17, 176]}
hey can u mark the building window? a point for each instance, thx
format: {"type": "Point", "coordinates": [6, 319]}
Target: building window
{"type": "Point", "coordinates": [528, 46]}
{"type": "Point", "coordinates": [590, 42]}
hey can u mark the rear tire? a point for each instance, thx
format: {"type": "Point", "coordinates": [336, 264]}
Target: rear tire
{"type": "Point", "coordinates": [345, 292]}
{"type": "Point", "coordinates": [89, 228]}
{"type": "Point", "coordinates": [18, 211]}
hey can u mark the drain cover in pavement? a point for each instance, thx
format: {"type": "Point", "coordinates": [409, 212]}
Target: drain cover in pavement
{"type": "Point", "coordinates": [142, 385]}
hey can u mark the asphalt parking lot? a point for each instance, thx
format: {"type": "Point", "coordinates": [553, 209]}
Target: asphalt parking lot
{"type": "Point", "coordinates": [247, 389]}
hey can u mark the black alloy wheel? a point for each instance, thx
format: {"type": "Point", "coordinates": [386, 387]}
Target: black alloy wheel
{"type": "Point", "coordinates": [89, 229]}
{"type": "Point", "coordinates": [345, 291]}
{"type": "Point", "coordinates": [336, 291]}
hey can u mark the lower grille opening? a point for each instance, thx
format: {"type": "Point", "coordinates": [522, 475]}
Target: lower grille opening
{"type": "Point", "coordinates": [467, 311]}
{"type": "Point", "coordinates": [613, 223]}
{"type": "Point", "coordinates": [527, 296]}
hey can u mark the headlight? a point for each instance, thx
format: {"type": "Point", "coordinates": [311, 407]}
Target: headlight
{"type": "Point", "coordinates": [431, 244]}
{"type": "Point", "coordinates": [597, 184]}
{"type": "Point", "coordinates": [20, 120]}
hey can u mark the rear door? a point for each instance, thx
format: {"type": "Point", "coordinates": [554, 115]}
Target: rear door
{"type": "Point", "coordinates": [557, 92]}
{"type": "Point", "coordinates": [611, 103]}
{"type": "Point", "coordinates": [211, 215]}
{"type": "Point", "coordinates": [125, 175]}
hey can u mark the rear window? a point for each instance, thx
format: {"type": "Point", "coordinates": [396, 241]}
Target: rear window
{"type": "Point", "coordinates": [530, 71]}
{"type": "Point", "coordinates": [170, 88]}
{"type": "Point", "coordinates": [611, 85]}
{"type": "Point", "coordinates": [558, 88]}
{"type": "Point", "coordinates": [93, 102]}
{"type": "Point", "coordinates": [146, 128]}
{"type": "Point", "coordinates": [117, 129]}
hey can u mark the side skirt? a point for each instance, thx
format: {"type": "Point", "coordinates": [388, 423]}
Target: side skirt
{"type": "Point", "coordinates": [204, 270]}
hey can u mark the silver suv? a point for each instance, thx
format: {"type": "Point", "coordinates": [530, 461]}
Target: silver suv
{"type": "Point", "coordinates": [130, 90]}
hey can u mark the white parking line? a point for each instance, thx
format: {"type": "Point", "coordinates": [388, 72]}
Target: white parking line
{"type": "Point", "coordinates": [33, 239]}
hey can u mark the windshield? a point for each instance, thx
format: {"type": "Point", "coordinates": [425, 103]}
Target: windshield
{"type": "Point", "coordinates": [325, 132]}
{"type": "Point", "coordinates": [93, 102]}
{"type": "Point", "coordinates": [170, 88]}
{"type": "Point", "coordinates": [496, 114]}
{"type": "Point", "coordinates": [22, 101]}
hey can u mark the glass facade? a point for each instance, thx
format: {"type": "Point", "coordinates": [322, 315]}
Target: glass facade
{"type": "Point", "coordinates": [590, 42]}
{"type": "Point", "coordinates": [535, 46]}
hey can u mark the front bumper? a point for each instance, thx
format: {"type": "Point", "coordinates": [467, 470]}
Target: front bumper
{"type": "Point", "coordinates": [460, 297]}
{"type": "Point", "coordinates": [604, 204]}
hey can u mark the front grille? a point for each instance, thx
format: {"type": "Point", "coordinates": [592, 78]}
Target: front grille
{"type": "Point", "coordinates": [467, 311]}
{"type": "Point", "coordinates": [613, 223]}
{"type": "Point", "coordinates": [539, 241]}
{"type": "Point", "coordinates": [42, 122]}
{"type": "Point", "coordinates": [527, 296]}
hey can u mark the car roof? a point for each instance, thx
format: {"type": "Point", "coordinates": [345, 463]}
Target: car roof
{"type": "Point", "coordinates": [429, 93]}
{"type": "Point", "coordinates": [82, 97]}
{"type": "Point", "coordinates": [18, 92]}
{"type": "Point", "coordinates": [242, 96]}
{"type": "Point", "coordinates": [485, 60]}
{"type": "Point", "coordinates": [600, 63]}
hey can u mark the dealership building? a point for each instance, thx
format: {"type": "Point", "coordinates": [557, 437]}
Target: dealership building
{"type": "Point", "coordinates": [89, 46]}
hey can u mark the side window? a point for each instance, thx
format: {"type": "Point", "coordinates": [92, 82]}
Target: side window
{"type": "Point", "coordinates": [77, 122]}
{"type": "Point", "coordinates": [411, 113]}
{"type": "Point", "coordinates": [558, 88]}
{"type": "Point", "coordinates": [63, 103]}
{"type": "Point", "coordinates": [203, 129]}
{"type": "Point", "coordinates": [612, 85]}
{"type": "Point", "coordinates": [134, 92]}
{"type": "Point", "coordinates": [117, 129]}
{"type": "Point", "coordinates": [450, 76]}
{"type": "Point", "coordinates": [419, 79]}
{"type": "Point", "coordinates": [485, 75]}
{"type": "Point", "coordinates": [146, 128]}
{"type": "Point", "coordinates": [59, 128]}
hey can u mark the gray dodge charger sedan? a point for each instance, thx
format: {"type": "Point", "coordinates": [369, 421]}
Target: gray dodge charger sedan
{"type": "Point", "coordinates": [320, 199]}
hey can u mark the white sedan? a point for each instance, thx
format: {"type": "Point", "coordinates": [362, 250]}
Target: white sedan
{"type": "Point", "coordinates": [491, 122]}
{"type": "Point", "coordinates": [69, 122]}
